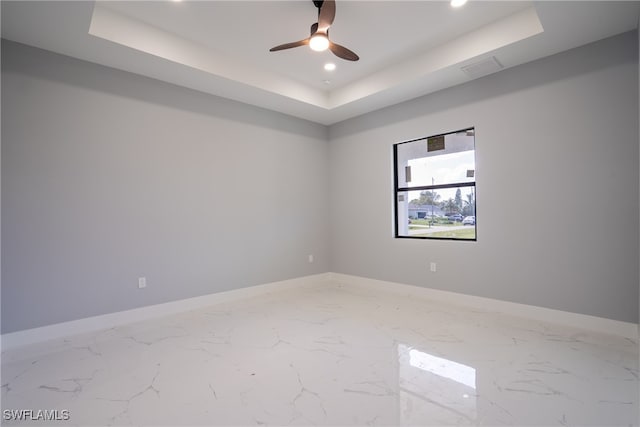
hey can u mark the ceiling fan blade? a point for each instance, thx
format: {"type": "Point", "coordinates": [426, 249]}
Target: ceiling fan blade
{"type": "Point", "coordinates": [342, 52]}
{"type": "Point", "coordinates": [290, 45]}
{"type": "Point", "coordinates": [327, 15]}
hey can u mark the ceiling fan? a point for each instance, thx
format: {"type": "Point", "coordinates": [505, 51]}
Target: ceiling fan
{"type": "Point", "coordinates": [319, 38]}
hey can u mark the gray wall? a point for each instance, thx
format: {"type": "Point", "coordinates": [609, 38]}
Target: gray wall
{"type": "Point", "coordinates": [557, 185]}
{"type": "Point", "coordinates": [108, 176]}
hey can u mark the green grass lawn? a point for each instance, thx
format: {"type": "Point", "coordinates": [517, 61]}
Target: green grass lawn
{"type": "Point", "coordinates": [463, 233]}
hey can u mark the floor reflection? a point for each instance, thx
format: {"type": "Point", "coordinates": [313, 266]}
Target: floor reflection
{"type": "Point", "coordinates": [329, 356]}
{"type": "Point", "coordinates": [435, 388]}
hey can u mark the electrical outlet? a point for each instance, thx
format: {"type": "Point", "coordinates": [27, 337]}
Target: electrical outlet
{"type": "Point", "coordinates": [142, 282]}
{"type": "Point", "coordinates": [433, 267]}
{"type": "Point", "coordinates": [311, 259]}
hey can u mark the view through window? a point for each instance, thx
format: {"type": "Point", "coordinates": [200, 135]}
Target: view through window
{"type": "Point", "coordinates": [435, 187]}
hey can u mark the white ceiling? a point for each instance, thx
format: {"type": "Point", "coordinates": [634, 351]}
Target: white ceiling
{"type": "Point", "coordinates": [407, 48]}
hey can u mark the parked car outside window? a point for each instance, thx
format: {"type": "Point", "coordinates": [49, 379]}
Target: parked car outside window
{"type": "Point", "coordinates": [469, 220]}
{"type": "Point", "coordinates": [454, 217]}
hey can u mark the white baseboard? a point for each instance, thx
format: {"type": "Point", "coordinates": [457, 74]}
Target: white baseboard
{"type": "Point", "coordinates": [576, 320]}
{"type": "Point", "coordinates": [96, 323]}
{"type": "Point", "coordinates": [106, 321]}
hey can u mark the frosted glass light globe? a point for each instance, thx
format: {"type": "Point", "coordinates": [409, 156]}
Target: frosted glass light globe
{"type": "Point", "coordinates": [319, 42]}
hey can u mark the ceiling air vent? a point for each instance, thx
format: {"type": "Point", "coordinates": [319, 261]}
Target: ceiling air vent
{"type": "Point", "coordinates": [482, 67]}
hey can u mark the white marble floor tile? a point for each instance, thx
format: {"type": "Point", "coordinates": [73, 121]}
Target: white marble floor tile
{"type": "Point", "coordinates": [329, 355]}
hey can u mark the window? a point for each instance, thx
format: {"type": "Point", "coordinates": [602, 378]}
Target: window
{"type": "Point", "coordinates": [435, 187]}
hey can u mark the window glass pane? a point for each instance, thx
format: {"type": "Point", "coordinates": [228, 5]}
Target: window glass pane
{"type": "Point", "coordinates": [438, 160]}
{"type": "Point", "coordinates": [445, 213]}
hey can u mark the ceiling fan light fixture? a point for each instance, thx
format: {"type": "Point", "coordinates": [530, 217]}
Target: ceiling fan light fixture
{"type": "Point", "coordinates": [319, 42]}
{"type": "Point", "coordinates": [319, 39]}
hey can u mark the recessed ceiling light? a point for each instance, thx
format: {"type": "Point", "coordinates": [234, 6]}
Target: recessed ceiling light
{"type": "Point", "coordinates": [457, 3]}
{"type": "Point", "coordinates": [329, 66]}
